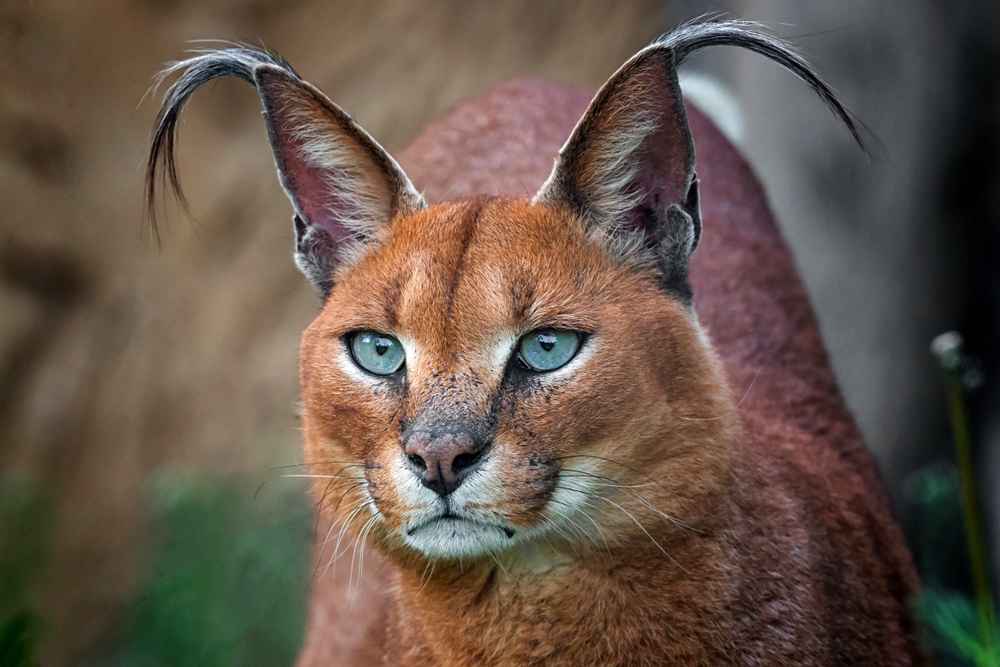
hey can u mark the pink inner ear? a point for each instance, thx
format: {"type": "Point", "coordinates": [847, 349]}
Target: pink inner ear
{"type": "Point", "coordinates": [666, 157]}
{"type": "Point", "coordinates": [334, 174]}
{"type": "Point", "coordinates": [313, 188]}
{"type": "Point", "coordinates": [664, 171]}
{"type": "Point", "coordinates": [662, 177]}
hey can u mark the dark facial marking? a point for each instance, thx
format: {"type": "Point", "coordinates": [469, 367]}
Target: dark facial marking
{"type": "Point", "coordinates": [469, 226]}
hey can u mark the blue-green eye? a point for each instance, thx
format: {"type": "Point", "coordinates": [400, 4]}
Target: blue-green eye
{"type": "Point", "coordinates": [548, 349]}
{"type": "Point", "coordinates": [376, 353]}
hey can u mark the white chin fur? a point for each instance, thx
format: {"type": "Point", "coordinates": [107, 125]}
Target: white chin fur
{"type": "Point", "coordinates": [455, 538]}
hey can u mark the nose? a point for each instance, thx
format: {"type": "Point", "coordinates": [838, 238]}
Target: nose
{"type": "Point", "coordinates": [442, 460]}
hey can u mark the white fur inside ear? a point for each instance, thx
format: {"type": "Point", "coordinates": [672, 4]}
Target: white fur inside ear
{"type": "Point", "coordinates": [611, 186]}
{"type": "Point", "coordinates": [336, 175]}
{"type": "Point", "coordinates": [358, 197]}
{"type": "Point", "coordinates": [628, 158]}
{"type": "Point", "coordinates": [610, 195]}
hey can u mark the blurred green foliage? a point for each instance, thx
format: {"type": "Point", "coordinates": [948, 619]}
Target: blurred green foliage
{"type": "Point", "coordinates": [25, 517]}
{"type": "Point", "coordinates": [962, 630]}
{"type": "Point", "coordinates": [934, 513]}
{"type": "Point", "coordinates": [952, 622]}
{"type": "Point", "coordinates": [228, 579]}
{"type": "Point", "coordinates": [225, 582]}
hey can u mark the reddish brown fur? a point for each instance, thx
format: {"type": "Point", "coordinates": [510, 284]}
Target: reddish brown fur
{"type": "Point", "coordinates": [790, 555]}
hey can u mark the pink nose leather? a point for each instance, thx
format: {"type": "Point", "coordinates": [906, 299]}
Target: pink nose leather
{"type": "Point", "coordinates": [442, 461]}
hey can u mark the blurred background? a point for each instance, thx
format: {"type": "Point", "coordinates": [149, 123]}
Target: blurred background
{"type": "Point", "coordinates": [147, 396]}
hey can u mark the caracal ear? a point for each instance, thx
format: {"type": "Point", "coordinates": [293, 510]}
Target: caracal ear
{"type": "Point", "coordinates": [628, 169]}
{"type": "Point", "coordinates": [343, 186]}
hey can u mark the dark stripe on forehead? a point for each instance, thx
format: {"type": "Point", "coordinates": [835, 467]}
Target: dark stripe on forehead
{"type": "Point", "coordinates": [522, 296]}
{"type": "Point", "coordinates": [468, 231]}
{"type": "Point", "coordinates": [390, 299]}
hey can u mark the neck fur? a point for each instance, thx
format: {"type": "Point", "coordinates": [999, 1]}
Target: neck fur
{"type": "Point", "coordinates": [590, 604]}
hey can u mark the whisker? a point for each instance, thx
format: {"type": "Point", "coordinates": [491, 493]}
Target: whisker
{"type": "Point", "coordinates": [626, 487]}
{"type": "Point", "coordinates": [749, 387]}
{"type": "Point", "coordinates": [359, 541]}
{"type": "Point", "coordinates": [698, 419]}
{"type": "Point", "coordinates": [597, 458]}
{"type": "Point", "coordinates": [307, 476]}
{"type": "Point", "coordinates": [339, 474]}
{"type": "Point", "coordinates": [340, 536]}
{"type": "Point", "coordinates": [423, 575]}
{"type": "Point", "coordinates": [630, 516]}
{"type": "Point", "coordinates": [496, 560]}
{"type": "Point", "coordinates": [672, 519]}
{"type": "Point", "coordinates": [317, 513]}
{"type": "Point", "coordinates": [556, 527]}
{"type": "Point", "coordinates": [600, 532]}
{"type": "Point", "coordinates": [746, 393]}
{"type": "Point", "coordinates": [643, 529]}
{"type": "Point", "coordinates": [569, 520]}
{"type": "Point", "coordinates": [350, 487]}
{"type": "Point", "coordinates": [553, 526]}
{"type": "Point", "coordinates": [597, 527]}
{"type": "Point", "coordinates": [423, 582]}
{"type": "Point", "coordinates": [334, 523]}
{"type": "Point", "coordinates": [329, 533]}
{"type": "Point", "coordinates": [610, 480]}
{"type": "Point", "coordinates": [337, 553]}
{"type": "Point", "coordinates": [322, 463]}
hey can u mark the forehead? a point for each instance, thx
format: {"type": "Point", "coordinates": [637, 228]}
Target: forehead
{"type": "Point", "coordinates": [476, 268]}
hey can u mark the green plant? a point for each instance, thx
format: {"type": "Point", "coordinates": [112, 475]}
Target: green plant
{"type": "Point", "coordinates": [964, 629]}
{"type": "Point", "coordinates": [24, 531]}
{"type": "Point", "coordinates": [228, 577]}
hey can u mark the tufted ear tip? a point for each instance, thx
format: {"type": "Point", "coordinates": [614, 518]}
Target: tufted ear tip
{"type": "Point", "coordinates": [343, 186]}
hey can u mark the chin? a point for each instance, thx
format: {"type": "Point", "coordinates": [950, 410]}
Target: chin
{"type": "Point", "coordinates": [453, 538]}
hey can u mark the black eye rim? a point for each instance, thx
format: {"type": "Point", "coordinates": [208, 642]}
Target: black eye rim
{"type": "Point", "coordinates": [348, 341]}
{"type": "Point", "coordinates": [522, 363]}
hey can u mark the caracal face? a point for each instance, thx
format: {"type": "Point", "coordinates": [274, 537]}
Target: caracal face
{"type": "Point", "coordinates": [459, 286]}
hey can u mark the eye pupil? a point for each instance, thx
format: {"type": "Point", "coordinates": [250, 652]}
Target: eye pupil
{"type": "Point", "coordinates": [376, 353]}
{"type": "Point", "coordinates": [547, 341]}
{"type": "Point", "coordinates": [548, 349]}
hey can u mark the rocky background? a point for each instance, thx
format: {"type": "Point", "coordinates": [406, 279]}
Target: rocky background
{"type": "Point", "coordinates": [121, 361]}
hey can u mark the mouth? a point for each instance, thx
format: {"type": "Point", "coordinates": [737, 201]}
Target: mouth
{"type": "Point", "coordinates": [448, 517]}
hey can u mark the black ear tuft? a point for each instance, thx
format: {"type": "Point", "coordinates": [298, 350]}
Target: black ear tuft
{"type": "Point", "coordinates": [343, 186]}
{"type": "Point", "coordinates": [236, 60]}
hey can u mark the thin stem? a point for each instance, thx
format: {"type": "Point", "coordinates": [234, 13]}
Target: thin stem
{"type": "Point", "coordinates": [973, 526]}
{"type": "Point", "coordinates": [948, 349]}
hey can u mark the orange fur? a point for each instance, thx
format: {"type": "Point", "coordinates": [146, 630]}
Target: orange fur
{"type": "Point", "coordinates": [740, 519]}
